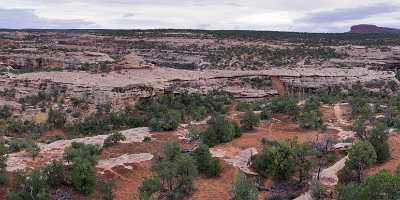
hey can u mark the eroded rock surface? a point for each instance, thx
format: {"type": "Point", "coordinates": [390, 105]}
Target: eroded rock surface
{"type": "Point", "coordinates": [55, 150]}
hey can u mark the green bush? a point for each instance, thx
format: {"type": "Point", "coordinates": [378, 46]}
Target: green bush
{"type": "Point", "coordinates": [149, 186]}
{"type": "Point", "coordinates": [113, 139]}
{"type": "Point", "coordinates": [107, 191]}
{"type": "Point", "coordinates": [282, 160]}
{"type": "Point", "coordinates": [317, 190]}
{"type": "Point", "coordinates": [266, 114]}
{"type": "Point", "coordinates": [311, 117]}
{"type": "Point", "coordinates": [243, 188]}
{"type": "Point", "coordinates": [84, 159]}
{"type": "Point", "coordinates": [164, 113]}
{"type": "Point", "coordinates": [146, 139]}
{"type": "Point", "coordinates": [3, 164]}
{"type": "Point", "coordinates": [378, 138]}
{"type": "Point", "coordinates": [78, 151]}
{"type": "Point", "coordinates": [361, 156]}
{"type": "Point", "coordinates": [54, 173]}
{"type": "Point", "coordinates": [205, 163]}
{"type": "Point", "coordinates": [83, 176]}
{"type": "Point", "coordinates": [166, 121]}
{"type": "Point", "coordinates": [249, 121]}
{"type": "Point", "coordinates": [380, 186]}
{"type": "Point", "coordinates": [284, 105]}
{"type": "Point", "coordinates": [56, 119]}
{"type": "Point", "coordinates": [174, 175]}
{"type": "Point", "coordinates": [220, 130]}
{"type": "Point", "coordinates": [5, 112]}
{"type": "Point", "coordinates": [29, 186]}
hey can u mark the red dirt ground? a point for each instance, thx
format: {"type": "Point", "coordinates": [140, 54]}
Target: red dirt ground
{"type": "Point", "coordinates": [127, 181]}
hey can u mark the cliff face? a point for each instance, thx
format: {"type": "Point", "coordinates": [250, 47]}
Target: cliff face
{"type": "Point", "coordinates": [368, 28]}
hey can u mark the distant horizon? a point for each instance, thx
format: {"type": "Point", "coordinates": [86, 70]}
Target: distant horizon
{"type": "Point", "coordinates": [309, 16]}
{"type": "Point", "coordinates": [177, 29]}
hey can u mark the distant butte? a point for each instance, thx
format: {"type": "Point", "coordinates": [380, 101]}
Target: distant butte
{"type": "Point", "coordinates": [368, 28]}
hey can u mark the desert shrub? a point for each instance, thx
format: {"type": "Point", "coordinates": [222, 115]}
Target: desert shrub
{"type": "Point", "coordinates": [20, 144]}
{"type": "Point", "coordinates": [29, 186]}
{"type": "Point", "coordinates": [174, 175]}
{"type": "Point", "coordinates": [146, 139]}
{"type": "Point", "coordinates": [243, 188]}
{"type": "Point", "coordinates": [311, 116]}
{"type": "Point", "coordinates": [205, 163]}
{"type": "Point", "coordinates": [359, 98]}
{"type": "Point", "coordinates": [84, 159]}
{"type": "Point", "coordinates": [277, 160]}
{"type": "Point", "coordinates": [283, 160]}
{"type": "Point", "coordinates": [220, 130]}
{"type": "Point", "coordinates": [106, 190]}
{"type": "Point", "coordinates": [250, 121]}
{"type": "Point", "coordinates": [8, 93]}
{"type": "Point", "coordinates": [113, 139]}
{"type": "Point", "coordinates": [359, 127]}
{"type": "Point", "coordinates": [54, 138]}
{"type": "Point", "coordinates": [36, 99]}
{"type": "Point", "coordinates": [283, 105]}
{"type": "Point", "coordinates": [54, 173]}
{"type": "Point", "coordinates": [79, 151]}
{"type": "Point", "coordinates": [266, 114]}
{"type": "Point", "coordinates": [34, 150]}
{"type": "Point", "coordinates": [380, 186]}
{"type": "Point", "coordinates": [378, 138]}
{"type": "Point", "coordinates": [56, 119]}
{"type": "Point", "coordinates": [186, 107]}
{"type": "Point", "coordinates": [277, 197]}
{"type": "Point", "coordinates": [5, 112]}
{"type": "Point", "coordinates": [194, 134]}
{"type": "Point", "coordinates": [331, 95]}
{"type": "Point", "coordinates": [245, 106]}
{"type": "Point", "coordinates": [361, 156]}
{"type": "Point", "coordinates": [149, 186]}
{"type": "Point", "coordinates": [165, 121]}
{"type": "Point", "coordinates": [160, 113]}
{"type": "Point", "coordinates": [317, 190]}
{"type": "Point", "coordinates": [3, 163]}
{"type": "Point", "coordinates": [83, 176]}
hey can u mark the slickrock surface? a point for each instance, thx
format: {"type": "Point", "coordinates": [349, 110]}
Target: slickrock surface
{"type": "Point", "coordinates": [55, 150]}
{"type": "Point", "coordinates": [241, 160]}
{"type": "Point", "coordinates": [109, 164]}
{"type": "Point", "coordinates": [328, 176]}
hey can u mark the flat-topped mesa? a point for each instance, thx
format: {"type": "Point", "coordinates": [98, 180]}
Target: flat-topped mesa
{"type": "Point", "coordinates": [369, 28]}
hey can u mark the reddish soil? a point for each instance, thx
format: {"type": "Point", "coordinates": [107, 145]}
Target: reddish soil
{"type": "Point", "coordinates": [328, 113]}
{"type": "Point", "coordinates": [3, 192]}
{"type": "Point", "coordinates": [127, 182]}
{"type": "Point", "coordinates": [217, 188]}
{"type": "Point", "coordinates": [273, 132]}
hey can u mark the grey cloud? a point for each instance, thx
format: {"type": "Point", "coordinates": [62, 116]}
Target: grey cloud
{"type": "Point", "coordinates": [346, 14]}
{"type": "Point", "coordinates": [127, 15]}
{"type": "Point", "coordinates": [25, 18]}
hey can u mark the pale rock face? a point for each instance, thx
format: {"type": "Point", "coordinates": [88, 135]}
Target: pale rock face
{"type": "Point", "coordinates": [240, 160]}
{"type": "Point", "coordinates": [55, 150]}
{"type": "Point", "coordinates": [124, 160]}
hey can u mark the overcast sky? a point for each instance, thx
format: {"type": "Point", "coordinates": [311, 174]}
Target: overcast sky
{"type": "Point", "coordinates": [284, 15]}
